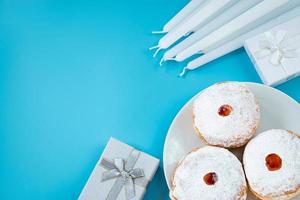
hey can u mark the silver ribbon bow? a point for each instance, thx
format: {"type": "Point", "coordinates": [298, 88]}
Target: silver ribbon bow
{"type": "Point", "coordinates": [277, 46]}
{"type": "Point", "coordinates": [126, 176]}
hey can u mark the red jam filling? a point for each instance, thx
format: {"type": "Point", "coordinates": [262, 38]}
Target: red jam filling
{"type": "Point", "coordinates": [210, 178]}
{"type": "Point", "coordinates": [273, 162]}
{"type": "Point", "coordinates": [225, 110]}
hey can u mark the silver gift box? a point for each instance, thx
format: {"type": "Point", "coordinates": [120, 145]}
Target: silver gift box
{"type": "Point", "coordinates": [97, 189]}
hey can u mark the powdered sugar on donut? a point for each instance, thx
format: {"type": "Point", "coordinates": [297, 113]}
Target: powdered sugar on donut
{"type": "Point", "coordinates": [229, 131]}
{"type": "Point", "coordinates": [188, 183]}
{"type": "Point", "coordinates": [279, 182]}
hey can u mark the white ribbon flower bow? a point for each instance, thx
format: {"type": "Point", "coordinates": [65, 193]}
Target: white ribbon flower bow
{"type": "Point", "coordinates": [277, 46]}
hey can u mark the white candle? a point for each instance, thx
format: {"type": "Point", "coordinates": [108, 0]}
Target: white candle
{"type": "Point", "coordinates": [253, 17]}
{"type": "Point", "coordinates": [238, 42]}
{"type": "Point", "coordinates": [181, 15]}
{"type": "Point", "coordinates": [207, 12]}
{"type": "Point", "coordinates": [232, 12]}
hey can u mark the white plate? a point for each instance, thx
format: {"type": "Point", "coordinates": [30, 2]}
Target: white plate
{"type": "Point", "coordinates": [278, 110]}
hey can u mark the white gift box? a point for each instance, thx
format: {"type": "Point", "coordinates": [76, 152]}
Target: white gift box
{"type": "Point", "coordinates": [116, 180]}
{"type": "Point", "coordinates": [276, 53]}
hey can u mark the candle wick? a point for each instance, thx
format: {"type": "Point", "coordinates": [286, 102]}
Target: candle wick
{"type": "Point", "coordinates": [161, 61]}
{"type": "Point", "coordinates": [156, 52]}
{"type": "Point", "coordinates": [159, 32]}
{"type": "Point", "coordinates": [184, 72]}
{"type": "Point", "coordinates": [154, 47]}
{"type": "Point", "coordinates": [157, 47]}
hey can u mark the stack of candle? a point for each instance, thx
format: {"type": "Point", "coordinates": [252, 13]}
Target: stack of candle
{"type": "Point", "coordinates": [213, 28]}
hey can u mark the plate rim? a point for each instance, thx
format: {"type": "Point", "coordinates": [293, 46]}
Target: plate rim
{"type": "Point", "coordinates": [192, 98]}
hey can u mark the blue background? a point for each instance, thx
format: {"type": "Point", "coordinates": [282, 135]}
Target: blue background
{"type": "Point", "coordinates": [74, 73]}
